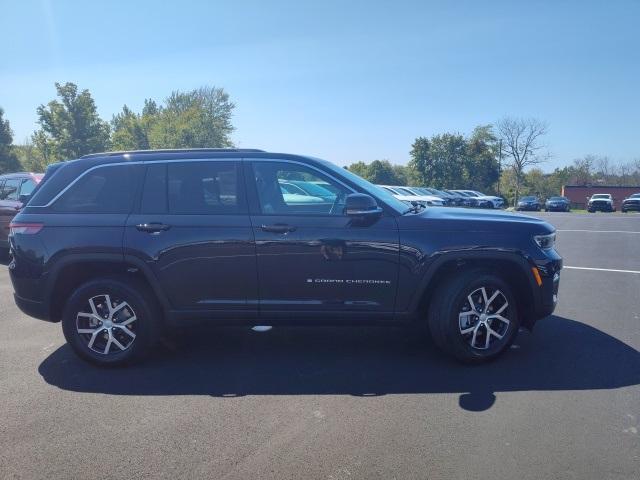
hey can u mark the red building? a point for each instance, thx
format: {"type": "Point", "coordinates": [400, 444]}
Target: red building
{"type": "Point", "coordinates": [578, 195]}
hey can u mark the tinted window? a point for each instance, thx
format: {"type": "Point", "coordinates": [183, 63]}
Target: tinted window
{"type": "Point", "coordinates": [154, 194]}
{"type": "Point", "coordinates": [10, 189]}
{"type": "Point", "coordinates": [202, 188]}
{"type": "Point", "coordinates": [27, 187]}
{"type": "Point", "coordinates": [103, 190]}
{"type": "Point", "coordinates": [290, 188]}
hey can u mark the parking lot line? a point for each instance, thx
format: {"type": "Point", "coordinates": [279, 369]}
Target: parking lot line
{"type": "Point", "coordinates": [602, 269]}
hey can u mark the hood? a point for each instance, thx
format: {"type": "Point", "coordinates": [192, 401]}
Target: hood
{"type": "Point", "coordinates": [463, 219]}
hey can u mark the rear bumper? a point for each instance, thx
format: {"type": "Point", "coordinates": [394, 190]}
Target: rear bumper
{"type": "Point", "coordinates": [32, 308]}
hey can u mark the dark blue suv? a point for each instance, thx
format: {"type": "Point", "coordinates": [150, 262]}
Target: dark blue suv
{"type": "Point", "coordinates": [121, 246]}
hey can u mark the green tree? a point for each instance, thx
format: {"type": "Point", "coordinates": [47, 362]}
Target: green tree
{"type": "Point", "coordinates": [359, 168]}
{"type": "Point", "coordinates": [439, 161]}
{"type": "Point", "coordinates": [196, 119]}
{"type": "Point", "coordinates": [30, 157]}
{"type": "Point", "coordinates": [420, 164]}
{"type": "Point", "coordinates": [482, 171]}
{"type": "Point", "coordinates": [383, 173]}
{"type": "Point", "coordinates": [380, 172]}
{"type": "Point", "coordinates": [8, 158]}
{"type": "Point", "coordinates": [128, 131]}
{"type": "Point", "coordinates": [70, 127]}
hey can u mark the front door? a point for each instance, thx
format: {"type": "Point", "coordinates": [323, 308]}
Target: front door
{"type": "Point", "coordinates": [311, 259]}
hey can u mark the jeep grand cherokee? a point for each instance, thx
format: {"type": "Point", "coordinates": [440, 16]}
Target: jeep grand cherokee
{"type": "Point", "coordinates": [119, 246]}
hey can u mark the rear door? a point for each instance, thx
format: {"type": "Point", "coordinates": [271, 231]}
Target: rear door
{"type": "Point", "coordinates": [192, 229]}
{"type": "Point", "coordinates": [311, 259]}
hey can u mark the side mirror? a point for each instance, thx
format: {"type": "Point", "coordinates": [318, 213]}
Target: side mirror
{"type": "Point", "coordinates": [24, 198]}
{"type": "Point", "coordinates": [362, 208]}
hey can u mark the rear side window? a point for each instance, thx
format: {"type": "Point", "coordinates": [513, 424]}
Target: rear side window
{"type": "Point", "coordinates": [10, 189]}
{"type": "Point", "coordinates": [193, 188]}
{"type": "Point", "coordinates": [108, 189]}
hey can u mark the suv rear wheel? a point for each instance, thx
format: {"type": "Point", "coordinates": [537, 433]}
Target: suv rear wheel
{"type": "Point", "coordinates": [474, 316]}
{"type": "Point", "coordinates": [111, 321]}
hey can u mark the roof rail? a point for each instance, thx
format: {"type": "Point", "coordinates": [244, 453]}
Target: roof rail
{"type": "Point", "coordinates": [173, 150]}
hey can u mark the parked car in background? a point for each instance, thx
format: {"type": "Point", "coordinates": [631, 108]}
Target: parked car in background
{"type": "Point", "coordinates": [407, 196]}
{"type": "Point", "coordinates": [529, 203]}
{"type": "Point", "coordinates": [454, 199]}
{"type": "Point", "coordinates": [479, 200]}
{"type": "Point", "coordinates": [462, 199]}
{"type": "Point", "coordinates": [557, 204]}
{"type": "Point", "coordinates": [15, 189]}
{"type": "Point", "coordinates": [496, 202]}
{"type": "Point", "coordinates": [430, 192]}
{"type": "Point", "coordinates": [631, 203]}
{"type": "Point", "coordinates": [602, 202]}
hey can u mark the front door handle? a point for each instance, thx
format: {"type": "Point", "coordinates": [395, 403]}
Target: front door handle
{"type": "Point", "coordinates": [278, 228]}
{"type": "Point", "coordinates": [153, 227]}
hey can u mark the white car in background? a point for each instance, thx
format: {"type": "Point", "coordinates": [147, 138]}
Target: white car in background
{"type": "Point", "coordinates": [483, 200]}
{"type": "Point", "coordinates": [405, 195]}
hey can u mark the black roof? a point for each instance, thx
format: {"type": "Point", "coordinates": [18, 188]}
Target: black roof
{"type": "Point", "coordinates": [174, 150]}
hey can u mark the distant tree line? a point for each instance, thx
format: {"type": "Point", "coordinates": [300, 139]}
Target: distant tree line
{"type": "Point", "coordinates": [69, 127]}
{"type": "Point", "coordinates": [447, 160]}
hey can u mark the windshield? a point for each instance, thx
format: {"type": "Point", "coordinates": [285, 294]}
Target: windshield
{"type": "Point", "coordinates": [406, 191]}
{"type": "Point", "coordinates": [635, 195]}
{"type": "Point", "coordinates": [557, 199]}
{"type": "Point", "coordinates": [378, 192]}
{"type": "Point", "coordinates": [527, 199]}
{"type": "Point", "coordinates": [602, 195]}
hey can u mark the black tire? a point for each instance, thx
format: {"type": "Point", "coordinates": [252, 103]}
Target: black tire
{"type": "Point", "coordinates": [447, 307]}
{"type": "Point", "coordinates": [140, 303]}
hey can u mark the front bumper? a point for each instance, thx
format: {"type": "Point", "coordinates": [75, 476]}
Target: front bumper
{"type": "Point", "coordinates": [556, 208]}
{"type": "Point", "coordinates": [631, 206]}
{"type": "Point", "coordinates": [601, 207]}
{"type": "Point", "coordinates": [545, 297]}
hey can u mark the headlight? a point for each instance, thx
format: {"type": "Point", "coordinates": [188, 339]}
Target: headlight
{"type": "Point", "coordinates": [545, 242]}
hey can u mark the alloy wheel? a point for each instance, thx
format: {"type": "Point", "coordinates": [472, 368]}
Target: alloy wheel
{"type": "Point", "coordinates": [483, 321]}
{"type": "Point", "coordinates": [107, 325]}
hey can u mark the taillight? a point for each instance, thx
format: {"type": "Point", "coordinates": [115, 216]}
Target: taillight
{"type": "Point", "coordinates": [25, 228]}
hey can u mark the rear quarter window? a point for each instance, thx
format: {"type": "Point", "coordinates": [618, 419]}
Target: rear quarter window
{"type": "Point", "coordinates": [108, 189]}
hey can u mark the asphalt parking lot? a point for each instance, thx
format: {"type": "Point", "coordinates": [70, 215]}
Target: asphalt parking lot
{"type": "Point", "coordinates": [564, 402]}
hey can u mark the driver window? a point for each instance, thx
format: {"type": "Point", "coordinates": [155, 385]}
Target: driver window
{"type": "Point", "coordinates": [290, 189]}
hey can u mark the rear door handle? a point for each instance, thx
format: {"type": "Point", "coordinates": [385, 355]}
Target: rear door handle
{"type": "Point", "coordinates": [278, 228]}
{"type": "Point", "coordinates": [153, 227]}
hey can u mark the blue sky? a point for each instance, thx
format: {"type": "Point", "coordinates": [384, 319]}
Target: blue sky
{"type": "Point", "coordinates": [343, 80]}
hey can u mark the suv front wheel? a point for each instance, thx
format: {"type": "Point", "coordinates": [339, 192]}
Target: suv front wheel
{"type": "Point", "coordinates": [111, 321]}
{"type": "Point", "coordinates": [474, 316]}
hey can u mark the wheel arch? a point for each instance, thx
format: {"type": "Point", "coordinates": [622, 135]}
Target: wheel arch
{"type": "Point", "coordinates": [74, 270]}
{"type": "Point", "coordinates": [513, 268]}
